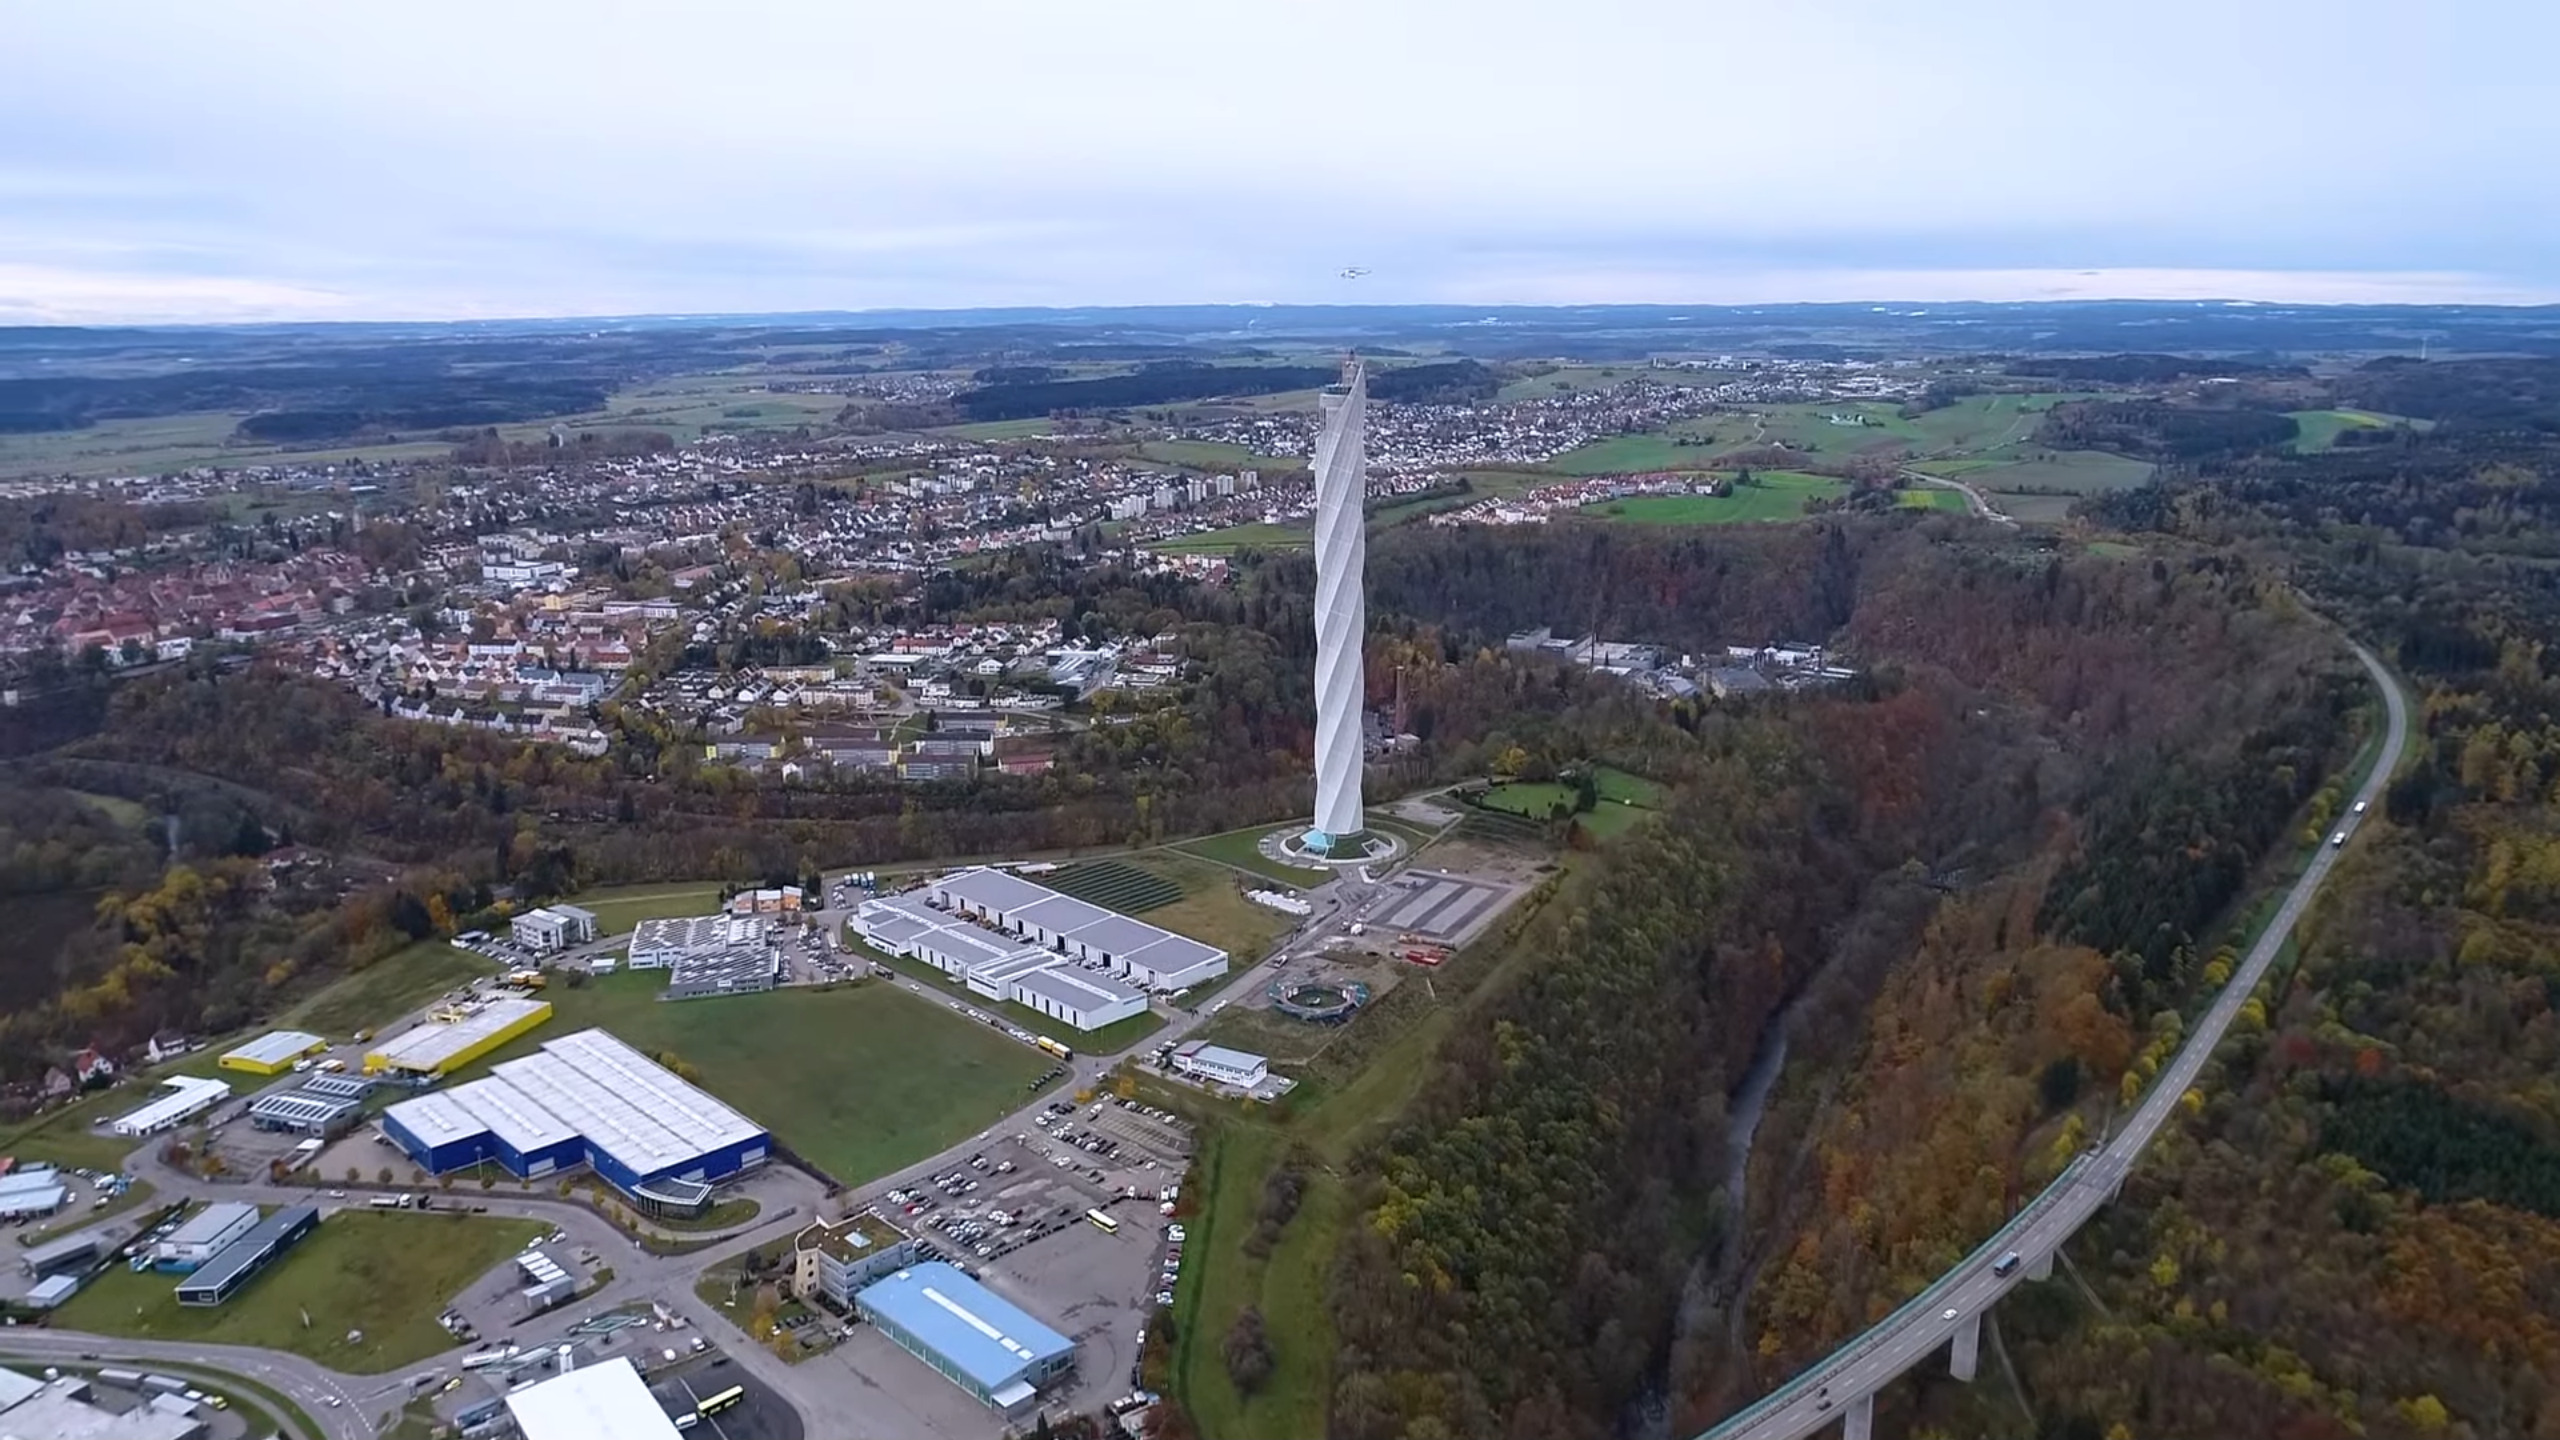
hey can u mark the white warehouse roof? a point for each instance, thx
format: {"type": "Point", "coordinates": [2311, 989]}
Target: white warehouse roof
{"type": "Point", "coordinates": [626, 1104]}
{"type": "Point", "coordinates": [605, 1399]}
{"type": "Point", "coordinates": [276, 1047]}
{"type": "Point", "coordinates": [187, 1095]}
{"type": "Point", "coordinates": [428, 1046]}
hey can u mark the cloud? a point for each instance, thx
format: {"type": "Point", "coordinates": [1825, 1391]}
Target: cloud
{"type": "Point", "coordinates": [478, 157]}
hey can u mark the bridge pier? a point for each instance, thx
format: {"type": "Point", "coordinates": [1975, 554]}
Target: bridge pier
{"type": "Point", "coordinates": [1964, 1353]}
{"type": "Point", "coordinates": [1858, 1421]}
{"type": "Point", "coordinates": [2041, 1267]}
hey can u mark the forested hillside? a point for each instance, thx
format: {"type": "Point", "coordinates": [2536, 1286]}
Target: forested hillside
{"type": "Point", "coordinates": [1557, 1189]}
{"type": "Point", "coordinates": [2352, 1231]}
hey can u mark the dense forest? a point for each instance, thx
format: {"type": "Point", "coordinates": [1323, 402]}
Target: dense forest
{"type": "Point", "coordinates": [1163, 383]}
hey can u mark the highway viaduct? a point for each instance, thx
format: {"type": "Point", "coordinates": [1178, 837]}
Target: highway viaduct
{"type": "Point", "coordinates": [1948, 1314]}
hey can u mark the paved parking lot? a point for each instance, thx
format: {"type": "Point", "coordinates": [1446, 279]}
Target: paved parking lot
{"type": "Point", "coordinates": [1438, 906]}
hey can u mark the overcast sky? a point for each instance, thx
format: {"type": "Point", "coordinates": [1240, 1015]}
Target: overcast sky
{"type": "Point", "coordinates": [314, 159]}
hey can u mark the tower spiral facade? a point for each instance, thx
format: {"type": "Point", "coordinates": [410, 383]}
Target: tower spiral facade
{"type": "Point", "coordinates": [1341, 611]}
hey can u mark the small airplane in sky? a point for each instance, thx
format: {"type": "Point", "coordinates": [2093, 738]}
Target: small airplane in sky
{"type": "Point", "coordinates": [1354, 272]}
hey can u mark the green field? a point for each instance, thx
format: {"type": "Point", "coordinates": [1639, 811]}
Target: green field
{"type": "Point", "coordinates": [1257, 535]}
{"type": "Point", "coordinates": [159, 443]}
{"type": "Point", "coordinates": [1775, 495]}
{"type": "Point", "coordinates": [1634, 454]}
{"type": "Point", "coordinates": [997, 429]}
{"type": "Point", "coordinates": [619, 909]}
{"type": "Point", "coordinates": [1930, 497]}
{"type": "Point", "coordinates": [861, 1079]}
{"type": "Point", "coordinates": [2321, 428]}
{"type": "Point", "coordinates": [1241, 848]}
{"type": "Point", "coordinates": [387, 989]}
{"type": "Point", "coordinates": [2043, 472]}
{"type": "Point", "coordinates": [1212, 909]}
{"type": "Point", "coordinates": [1617, 785]}
{"type": "Point", "coordinates": [1114, 885]}
{"type": "Point", "coordinates": [1535, 799]}
{"type": "Point", "coordinates": [387, 1275]}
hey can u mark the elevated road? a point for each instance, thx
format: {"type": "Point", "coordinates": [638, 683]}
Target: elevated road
{"type": "Point", "coordinates": [1948, 1314]}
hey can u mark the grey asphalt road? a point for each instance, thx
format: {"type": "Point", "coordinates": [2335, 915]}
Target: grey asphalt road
{"type": "Point", "coordinates": [306, 1384]}
{"type": "Point", "coordinates": [1912, 1335]}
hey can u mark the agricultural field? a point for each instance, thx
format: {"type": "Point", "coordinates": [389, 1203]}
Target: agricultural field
{"type": "Point", "coordinates": [997, 429]}
{"type": "Point", "coordinates": [1677, 449]}
{"type": "Point", "coordinates": [2068, 473]}
{"type": "Point", "coordinates": [876, 1078]}
{"type": "Point", "coordinates": [386, 1275]}
{"type": "Point", "coordinates": [1256, 535]}
{"type": "Point", "coordinates": [1930, 497]}
{"type": "Point", "coordinates": [155, 444]}
{"type": "Point", "coordinates": [2321, 428]}
{"type": "Point", "coordinates": [386, 989]}
{"type": "Point", "coordinates": [1114, 885]}
{"type": "Point", "coordinates": [1773, 495]}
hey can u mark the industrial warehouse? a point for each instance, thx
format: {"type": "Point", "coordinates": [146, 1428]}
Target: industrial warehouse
{"type": "Point", "coordinates": [456, 1036]}
{"type": "Point", "coordinates": [1142, 954]}
{"type": "Point", "coordinates": [585, 1099]}
{"type": "Point", "coordinates": [998, 967]}
{"type": "Point", "coordinates": [323, 1105]}
{"type": "Point", "coordinates": [979, 1341]}
{"type": "Point", "coordinates": [235, 1264]}
{"type": "Point", "coordinates": [188, 1097]}
{"type": "Point", "coordinates": [273, 1053]}
{"type": "Point", "coordinates": [707, 955]}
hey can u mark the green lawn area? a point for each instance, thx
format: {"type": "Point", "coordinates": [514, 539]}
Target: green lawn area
{"type": "Point", "coordinates": [1289, 1286]}
{"type": "Point", "coordinates": [1930, 497]}
{"type": "Point", "coordinates": [1616, 784]}
{"type": "Point", "coordinates": [1773, 495]}
{"type": "Point", "coordinates": [1257, 534]}
{"type": "Point", "coordinates": [1212, 909]}
{"type": "Point", "coordinates": [1240, 848]}
{"type": "Point", "coordinates": [387, 1275]}
{"type": "Point", "coordinates": [386, 989]}
{"type": "Point", "coordinates": [1535, 799]}
{"type": "Point", "coordinates": [997, 429]}
{"type": "Point", "coordinates": [861, 1079]}
{"type": "Point", "coordinates": [619, 909]}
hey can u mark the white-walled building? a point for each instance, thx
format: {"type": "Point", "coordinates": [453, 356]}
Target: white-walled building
{"type": "Point", "coordinates": [1220, 1065]}
{"type": "Point", "coordinates": [1145, 955]}
{"type": "Point", "coordinates": [997, 966]}
{"type": "Point", "coordinates": [553, 927]}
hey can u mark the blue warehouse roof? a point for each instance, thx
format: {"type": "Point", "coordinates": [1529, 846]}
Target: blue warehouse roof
{"type": "Point", "coordinates": [971, 1326]}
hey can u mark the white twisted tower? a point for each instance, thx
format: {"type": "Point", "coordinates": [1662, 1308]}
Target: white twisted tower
{"type": "Point", "coordinates": [1341, 614]}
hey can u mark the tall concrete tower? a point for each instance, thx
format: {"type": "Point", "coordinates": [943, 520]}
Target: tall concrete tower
{"type": "Point", "coordinates": [1342, 614]}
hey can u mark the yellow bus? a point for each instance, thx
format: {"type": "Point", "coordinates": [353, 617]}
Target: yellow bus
{"type": "Point", "coordinates": [1054, 1048]}
{"type": "Point", "coordinates": [721, 1401]}
{"type": "Point", "coordinates": [1102, 1222]}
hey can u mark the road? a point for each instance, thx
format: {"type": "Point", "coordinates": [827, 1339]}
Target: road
{"type": "Point", "coordinates": [1912, 1334]}
{"type": "Point", "coordinates": [1973, 498]}
{"type": "Point", "coordinates": [349, 1406]}
{"type": "Point", "coordinates": [309, 1385]}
